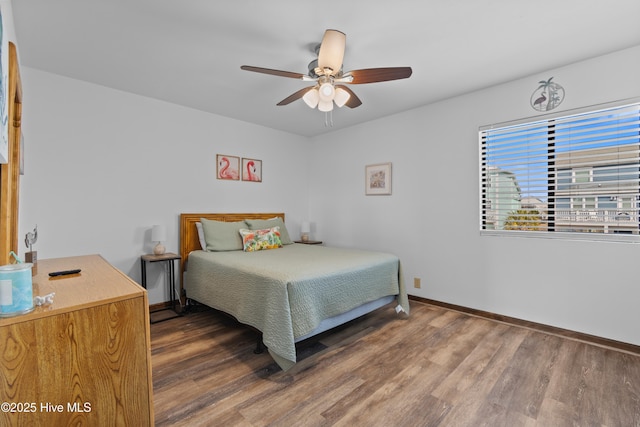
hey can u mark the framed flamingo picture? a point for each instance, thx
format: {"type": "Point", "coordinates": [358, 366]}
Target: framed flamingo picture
{"type": "Point", "coordinates": [228, 167]}
{"type": "Point", "coordinates": [251, 170]}
{"type": "Point", "coordinates": [377, 179]}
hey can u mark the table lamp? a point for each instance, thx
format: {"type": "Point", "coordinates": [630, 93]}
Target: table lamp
{"type": "Point", "coordinates": [305, 229]}
{"type": "Point", "coordinates": [158, 234]}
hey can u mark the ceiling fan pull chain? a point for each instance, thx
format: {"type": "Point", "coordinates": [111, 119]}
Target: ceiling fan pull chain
{"type": "Point", "coordinates": [328, 119]}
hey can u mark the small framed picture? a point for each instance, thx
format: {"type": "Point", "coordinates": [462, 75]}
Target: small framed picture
{"type": "Point", "coordinates": [228, 167]}
{"type": "Point", "coordinates": [377, 179]}
{"type": "Point", "coordinates": [251, 170]}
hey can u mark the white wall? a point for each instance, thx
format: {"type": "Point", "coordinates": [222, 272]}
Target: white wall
{"type": "Point", "coordinates": [431, 219]}
{"type": "Point", "coordinates": [102, 166]}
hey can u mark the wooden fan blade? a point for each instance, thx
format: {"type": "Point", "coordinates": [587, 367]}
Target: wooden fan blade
{"type": "Point", "coordinates": [375, 75]}
{"type": "Point", "coordinates": [299, 94]}
{"type": "Point", "coordinates": [272, 72]}
{"type": "Point", "coordinates": [331, 51]}
{"type": "Point", "coordinates": [353, 100]}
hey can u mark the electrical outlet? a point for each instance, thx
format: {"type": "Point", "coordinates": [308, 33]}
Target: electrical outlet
{"type": "Point", "coordinates": [416, 282]}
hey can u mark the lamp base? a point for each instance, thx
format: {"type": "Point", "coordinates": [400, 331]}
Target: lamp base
{"type": "Point", "coordinates": [159, 249]}
{"type": "Point", "coordinates": [304, 237]}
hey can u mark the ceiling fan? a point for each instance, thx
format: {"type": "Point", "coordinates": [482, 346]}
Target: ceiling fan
{"type": "Point", "coordinates": [328, 76]}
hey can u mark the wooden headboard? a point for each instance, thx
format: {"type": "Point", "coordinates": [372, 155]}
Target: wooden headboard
{"type": "Point", "coordinates": [189, 234]}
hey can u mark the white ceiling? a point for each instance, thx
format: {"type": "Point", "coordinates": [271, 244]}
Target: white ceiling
{"type": "Point", "coordinates": [189, 52]}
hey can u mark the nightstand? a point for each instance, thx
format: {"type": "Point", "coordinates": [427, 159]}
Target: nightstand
{"type": "Point", "coordinates": [169, 259]}
{"type": "Point", "coordinates": [309, 242]}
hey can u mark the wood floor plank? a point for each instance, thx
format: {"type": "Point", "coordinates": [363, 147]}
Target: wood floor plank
{"type": "Point", "coordinates": [276, 409]}
{"type": "Point", "coordinates": [555, 413]}
{"type": "Point", "coordinates": [381, 363]}
{"type": "Point", "coordinates": [579, 381]}
{"type": "Point", "coordinates": [621, 383]}
{"type": "Point", "coordinates": [470, 405]}
{"type": "Point", "coordinates": [466, 374]}
{"type": "Point", "coordinates": [462, 342]}
{"type": "Point", "coordinates": [393, 402]}
{"type": "Point", "coordinates": [439, 367]}
{"type": "Point", "coordinates": [534, 362]}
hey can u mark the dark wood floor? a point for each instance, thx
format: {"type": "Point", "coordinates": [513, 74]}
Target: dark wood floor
{"type": "Point", "coordinates": [437, 368]}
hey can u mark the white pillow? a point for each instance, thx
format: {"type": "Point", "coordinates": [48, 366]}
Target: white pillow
{"type": "Point", "coordinates": [203, 243]}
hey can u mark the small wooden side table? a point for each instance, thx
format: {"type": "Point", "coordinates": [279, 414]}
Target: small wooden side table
{"type": "Point", "coordinates": [169, 259]}
{"type": "Point", "coordinates": [309, 242]}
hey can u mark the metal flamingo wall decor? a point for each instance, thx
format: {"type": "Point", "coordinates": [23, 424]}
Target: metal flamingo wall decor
{"type": "Point", "coordinates": [547, 96]}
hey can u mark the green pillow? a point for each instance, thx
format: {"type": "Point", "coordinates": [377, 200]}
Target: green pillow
{"type": "Point", "coordinates": [260, 224]}
{"type": "Point", "coordinates": [222, 236]}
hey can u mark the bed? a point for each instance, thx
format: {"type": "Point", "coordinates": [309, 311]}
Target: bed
{"type": "Point", "coordinates": [290, 293]}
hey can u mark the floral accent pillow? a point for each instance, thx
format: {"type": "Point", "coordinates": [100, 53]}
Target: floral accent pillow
{"type": "Point", "coordinates": [258, 240]}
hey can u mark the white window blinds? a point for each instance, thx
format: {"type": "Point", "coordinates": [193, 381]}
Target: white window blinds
{"type": "Point", "coordinates": [578, 173]}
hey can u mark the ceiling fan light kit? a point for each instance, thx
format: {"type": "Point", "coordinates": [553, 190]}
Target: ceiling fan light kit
{"type": "Point", "coordinates": [325, 106]}
{"type": "Point", "coordinates": [341, 97]}
{"type": "Point", "coordinates": [326, 71]}
{"type": "Point", "coordinates": [327, 92]}
{"type": "Point", "coordinates": [311, 98]}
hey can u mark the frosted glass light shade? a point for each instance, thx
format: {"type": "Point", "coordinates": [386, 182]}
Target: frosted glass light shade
{"type": "Point", "coordinates": [326, 92]}
{"type": "Point", "coordinates": [311, 98]}
{"type": "Point", "coordinates": [341, 97]}
{"type": "Point", "coordinates": [325, 106]}
{"type": "Point", "coordinates": [331, 51]}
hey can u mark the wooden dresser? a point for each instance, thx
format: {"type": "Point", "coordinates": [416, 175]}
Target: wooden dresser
{"type": "Point", "coordinates": [83, 360]}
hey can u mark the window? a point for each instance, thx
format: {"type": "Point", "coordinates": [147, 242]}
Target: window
{"type": "Point", "coordinates": [576, 173]}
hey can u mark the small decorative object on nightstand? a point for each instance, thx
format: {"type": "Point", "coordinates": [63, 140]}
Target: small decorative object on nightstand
{"type": "Point", "coordinates": [158, 234]}
{"type": "Point", "coordinates": [169, 259]}
{"type": "Point", "coordinates": [32, 256]}
{"type": "Point", "coordinates": [305, 229]}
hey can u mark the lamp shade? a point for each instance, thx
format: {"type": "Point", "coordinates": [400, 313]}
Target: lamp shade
{"type": "Point", "coordinates": [325, 106]}
{"type": "Point", "coordinates": [342, 96]}
{"type": "Point", "coordinates": [158, 233]}
{"type": "Point", "coordinates": [331, 51]}
{"type": "Point", "coordinates": [311, 98]}
{"type": "Point", "coordinates": [326, 92]}
{"type": "Point", "coordinates": [305, 228]}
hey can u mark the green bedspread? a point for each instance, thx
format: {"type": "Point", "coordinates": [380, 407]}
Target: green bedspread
{"type": "Point", "coordinates": [285, 293]}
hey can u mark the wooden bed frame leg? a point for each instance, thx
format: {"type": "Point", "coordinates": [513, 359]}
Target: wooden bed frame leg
{"type": "Point", "coordinates": [259, 345]}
